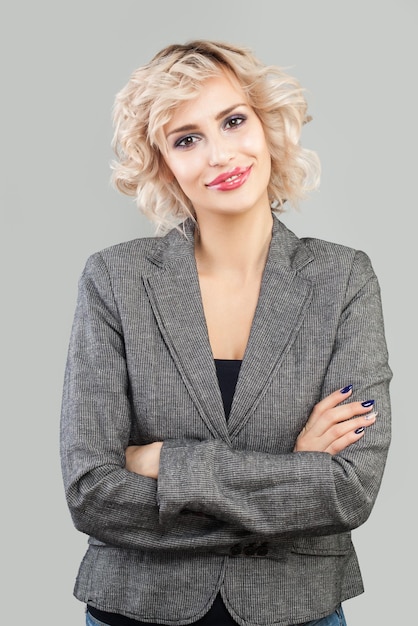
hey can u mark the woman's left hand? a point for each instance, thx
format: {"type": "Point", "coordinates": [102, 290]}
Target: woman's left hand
{"type": "Point", "coordinates": [333, 426]}
{"type": "Point", "coordinates": [144, 460]}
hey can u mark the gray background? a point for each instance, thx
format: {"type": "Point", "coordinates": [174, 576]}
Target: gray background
{"type": "Point", "coordinates": [62, 64]}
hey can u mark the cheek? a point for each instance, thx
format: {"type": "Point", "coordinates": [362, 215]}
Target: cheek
{"type": "Point", "coordinates": [255, 141]}
{"type": "Point", "coordinates": [183, 170]}
{"type": "Point", "coordinates": [256, 146]}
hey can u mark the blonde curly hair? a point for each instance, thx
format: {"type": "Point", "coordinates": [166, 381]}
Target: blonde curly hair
{"type": "Point", "coordinates": [174, 75]}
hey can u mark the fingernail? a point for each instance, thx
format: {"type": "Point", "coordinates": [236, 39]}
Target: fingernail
{"type": "Point", "coordinates": [367, 403]}
{"type": "Point", "coordinates": [346, 389]}
{"type": "Point", "coordinates": [359, 430]}
{"type": "Point", "coordinates": [370, 416]}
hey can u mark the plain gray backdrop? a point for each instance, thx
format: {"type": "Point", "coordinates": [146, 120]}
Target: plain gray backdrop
{"type": "Point", "coordinates": [62, 64]}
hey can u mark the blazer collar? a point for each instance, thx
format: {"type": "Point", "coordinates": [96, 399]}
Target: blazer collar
{"type": "Point", "coordinates": [174, 292]}
{"type": "Point", "coordinates": [286, 249]}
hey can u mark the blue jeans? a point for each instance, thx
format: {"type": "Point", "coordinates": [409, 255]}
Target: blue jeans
{"type": "Point", "coordinates": [335, 619]}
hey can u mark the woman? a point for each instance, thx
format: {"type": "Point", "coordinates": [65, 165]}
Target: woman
{"type": "Point", "coordinates": [220, 436]}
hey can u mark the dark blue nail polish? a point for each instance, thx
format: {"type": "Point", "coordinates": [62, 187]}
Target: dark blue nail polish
{"type": "Point", "coordinates": [367, 403]}
{"type": "Point", "coordinates": [359, 430]}
{"type": "Point", "coordinates": [346, 389]}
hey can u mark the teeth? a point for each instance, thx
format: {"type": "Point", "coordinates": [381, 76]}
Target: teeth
{"type": "Point", "coordinates": [231, 178]}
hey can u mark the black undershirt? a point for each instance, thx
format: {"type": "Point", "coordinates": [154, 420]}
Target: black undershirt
{"type": "Point", "coordinates": [227, 372]}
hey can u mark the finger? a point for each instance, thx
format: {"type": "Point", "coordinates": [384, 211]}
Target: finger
{"type": "Point", "coordinates": [333, 399]}
{"type": "Point", "coordinates": [349, 432]}
{"type": "Point", "coordinates": [338, 431]}
{"type": "Point", "coordinates": [347, 411]}
{"type": "Point", "coordinates": [342, 413]}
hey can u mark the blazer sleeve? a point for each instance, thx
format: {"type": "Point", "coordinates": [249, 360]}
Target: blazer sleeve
{"type": "Point", "coordinates": [105, 500]}
{"type": "Point", "coordinates": [304, 493]}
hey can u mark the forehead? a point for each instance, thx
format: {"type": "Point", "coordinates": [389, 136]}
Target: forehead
{"type": "Point", "coordinates": [214, 95]}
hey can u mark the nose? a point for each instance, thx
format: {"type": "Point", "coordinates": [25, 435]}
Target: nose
{"type": "Point", "coordinates": [220, 151]}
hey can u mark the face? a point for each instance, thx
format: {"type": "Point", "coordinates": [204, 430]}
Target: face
{"type": "Point", "coordinates": [217, 151]}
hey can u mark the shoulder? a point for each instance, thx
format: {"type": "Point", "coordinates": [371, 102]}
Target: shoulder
{"type": "Point", "coordinates": [339, 268]}
{"type": "Point", "coordinates": [133, 256]}
{"type": "Point", "coordinates": [318, 256]}
{"type": "Point", "coordinates": [146, 253]}
{"type": "Point", "coordinates": [125, 252]}
{"type": "Point", "coordinates": [118, 264]}
{"type": "Point", "coordinates": [329, 252]}
{"type": "Point", "coordinates": [324, 249]}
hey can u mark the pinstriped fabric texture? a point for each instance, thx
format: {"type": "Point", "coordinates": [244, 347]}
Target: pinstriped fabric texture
{"type": "Point", "coordinates": [234, 509]}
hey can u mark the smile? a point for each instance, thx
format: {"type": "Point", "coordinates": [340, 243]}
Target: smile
{"type": "Point", "coordinates": [230, 180]}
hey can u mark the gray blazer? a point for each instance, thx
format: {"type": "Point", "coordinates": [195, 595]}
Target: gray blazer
{"type": "Point", "coordinates": [234, 510]}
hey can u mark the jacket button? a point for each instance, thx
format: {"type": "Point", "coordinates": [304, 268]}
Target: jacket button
{"type": "Point", "coordinates": [250, 549]}
{"type": "Point", "coordinates": [235, 550]}
{"type": "Point", "coordinates": [263, 549]}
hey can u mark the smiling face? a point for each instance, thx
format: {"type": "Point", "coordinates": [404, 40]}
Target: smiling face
{"type": "Point", "coordinates": [217, 150]}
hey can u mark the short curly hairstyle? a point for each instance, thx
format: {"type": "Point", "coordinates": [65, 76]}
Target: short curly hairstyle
{"type": "Point", "coordinates": [174, 75]}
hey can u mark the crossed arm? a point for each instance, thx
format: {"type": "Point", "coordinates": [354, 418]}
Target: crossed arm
{"type": "Point", "coordinates": [331, 427]}
{"type": "Point", "coordinates": [305, 492]}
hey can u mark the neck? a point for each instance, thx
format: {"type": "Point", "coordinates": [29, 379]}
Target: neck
{"type": "Point", "coordinates": [237, 244]}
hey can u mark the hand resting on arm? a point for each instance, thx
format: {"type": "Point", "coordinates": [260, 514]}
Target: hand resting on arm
{"type": "Point", "coordinates": [331, 427]}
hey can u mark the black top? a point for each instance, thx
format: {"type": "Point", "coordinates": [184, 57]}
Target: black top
{"type": "Point", "coordinates": [227, 372]}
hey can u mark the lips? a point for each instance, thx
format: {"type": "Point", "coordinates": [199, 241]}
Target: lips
{"type": "Point", "coordinates": [230, 180]}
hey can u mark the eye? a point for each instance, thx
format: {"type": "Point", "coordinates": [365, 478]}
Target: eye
{"type": "Point", "coordinates": [234, 121]}
{"type": "Point", "coordinates": [186, 142]}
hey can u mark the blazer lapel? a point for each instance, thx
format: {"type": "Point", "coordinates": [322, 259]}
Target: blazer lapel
{"type": "Point", "coordinates": [283, 302]}
{"type": "Point", "coordinates": [174, 293]}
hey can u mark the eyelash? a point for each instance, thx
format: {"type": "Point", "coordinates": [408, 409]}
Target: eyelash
{"type": "Point", "coordinates": [230, 121]}
{"type": "Point", "coordinates": [233, 118]}
{"type": "Point", "coordinates": [180, 142]}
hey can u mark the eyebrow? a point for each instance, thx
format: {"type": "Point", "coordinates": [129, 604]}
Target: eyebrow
{"type": "Point", "coordinates": [219, 116]}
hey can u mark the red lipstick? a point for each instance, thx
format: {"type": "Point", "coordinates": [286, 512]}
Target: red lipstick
{"type": "Point", "coordinates": [230, 180]}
